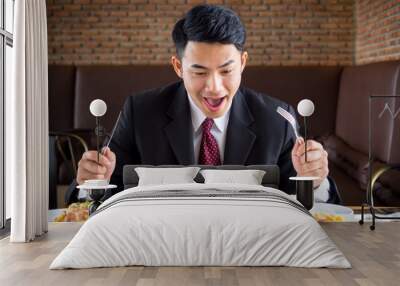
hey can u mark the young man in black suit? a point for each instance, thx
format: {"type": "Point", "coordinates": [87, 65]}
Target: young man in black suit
{"type": "Point", "coordinates": [207, 117]}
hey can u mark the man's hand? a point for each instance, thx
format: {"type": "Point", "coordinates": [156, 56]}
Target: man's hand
{"type": "Point", "coordinates": [317, 160]}
{"type": "Point", "coordinates": [89, 168]}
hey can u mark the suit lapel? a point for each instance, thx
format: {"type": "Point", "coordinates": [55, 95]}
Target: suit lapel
{"type": "Point", "coordinates": [239, 137]}
{"type": "Point", "coordinates": [179, 129]}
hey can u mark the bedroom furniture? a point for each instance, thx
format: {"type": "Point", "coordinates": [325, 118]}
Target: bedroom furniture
{"type": "Point", "coordinates": [98, 108]}
{"type": "Point", "coordinates": [192, 224]}
{"type": "Point", "coordinates": [374, 257]}
{"type": "Point", "coordinates": [169, 219]}
{"type": "Point", "coordinates": [305, 108]}
{"type": "Point", "coordinates": [340, 95]}
{"type": "Point", "coordinates": [270, 179]}
{"type": "Point", "coordinates": [131, 178]}
{"type": "Point", "coordinates": [305, 191]}
{"type": "Point", "coordinates": [329, 212]}
{"type": "Point", "coordinates": [96, 194]}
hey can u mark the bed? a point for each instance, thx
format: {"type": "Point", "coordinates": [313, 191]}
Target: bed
{"type": "Point", "coordinates": [201, 224]}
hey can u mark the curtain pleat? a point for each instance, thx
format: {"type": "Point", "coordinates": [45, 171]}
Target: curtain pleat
{"type": "Point", "coordinates": [29, 159]}
{"type": "Point", "coordinates": [15, 130]}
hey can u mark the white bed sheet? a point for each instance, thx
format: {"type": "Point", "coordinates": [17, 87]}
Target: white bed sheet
{"type": "Point", "coordinates": [188, 231]}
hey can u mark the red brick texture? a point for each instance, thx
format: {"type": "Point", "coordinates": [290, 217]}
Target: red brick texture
{"type": "Point", "coordinates": [280, 32]}
{"type": "Point", "coordinates": [377, 31]}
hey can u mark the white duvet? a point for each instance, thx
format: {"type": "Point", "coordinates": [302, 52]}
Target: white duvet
{"type": "Point", "coordinates": [225, 225]}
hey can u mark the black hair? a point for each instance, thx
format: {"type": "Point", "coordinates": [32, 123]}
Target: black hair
{"type": "Point", "coordinates": [209, 24]}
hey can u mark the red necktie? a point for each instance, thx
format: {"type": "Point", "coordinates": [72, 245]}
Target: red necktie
{"type": "Point", "coordinates": [209, 152]}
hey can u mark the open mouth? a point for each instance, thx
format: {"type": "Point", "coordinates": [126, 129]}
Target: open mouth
{"type": "Point", "coordinates": [214, 104]}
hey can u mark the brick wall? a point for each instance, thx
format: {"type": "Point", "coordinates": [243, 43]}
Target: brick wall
{"type": "Point", "coordinates": [280, 32]}
{"type": "Point", "coordinates": [377, 31]}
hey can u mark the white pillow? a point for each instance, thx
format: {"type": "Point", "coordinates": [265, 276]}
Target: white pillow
{"type": "Point", "coordinates": [248, 177]}
{"type": "Point", "coordinates": [163, 176]}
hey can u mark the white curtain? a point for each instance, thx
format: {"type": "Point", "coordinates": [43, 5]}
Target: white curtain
{"type": "Point", "coordinates": [27, 124]}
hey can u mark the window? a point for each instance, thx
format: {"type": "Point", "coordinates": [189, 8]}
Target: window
{"type": "Point", "coordinates": [6, 60]}
{"type": "Point", "coordinates": [9, 16]}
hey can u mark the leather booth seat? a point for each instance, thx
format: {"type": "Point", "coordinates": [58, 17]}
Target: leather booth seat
{"type": "Point", "coordinates": [340, 95]}
{"type": "Point", "coordinates": [349, 145]}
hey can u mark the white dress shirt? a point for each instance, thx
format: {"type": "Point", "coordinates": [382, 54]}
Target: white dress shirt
{"type": "Point", "coordinates": [219, 129]}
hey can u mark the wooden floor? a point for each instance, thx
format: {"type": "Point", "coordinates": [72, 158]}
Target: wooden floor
{"type": "Point", "coordinates": [375, 256]}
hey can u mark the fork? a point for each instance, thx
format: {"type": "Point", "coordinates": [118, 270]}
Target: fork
{"type": "Point", "coordinates": [289, 117]}
{"type": "Point", "coordinates": [112, 134]}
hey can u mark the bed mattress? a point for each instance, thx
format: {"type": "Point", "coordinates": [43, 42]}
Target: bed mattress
{"type": "Point", "coordinates": [201, 225]}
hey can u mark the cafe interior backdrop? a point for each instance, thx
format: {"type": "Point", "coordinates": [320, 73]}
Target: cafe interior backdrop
{"type": "Point", "coordinates": [337, 53]}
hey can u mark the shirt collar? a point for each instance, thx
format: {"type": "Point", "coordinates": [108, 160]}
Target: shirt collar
{"type": "Point", "coordinates": [198, 117]}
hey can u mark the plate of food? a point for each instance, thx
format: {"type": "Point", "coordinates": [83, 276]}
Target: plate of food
{"type": "Point", "coordinates": [324, 212]}
{"type": "Point", "coordinates": [74, 213]}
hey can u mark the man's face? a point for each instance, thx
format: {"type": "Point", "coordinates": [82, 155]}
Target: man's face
{"type": "Point", "coordinates": [211, 73]}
